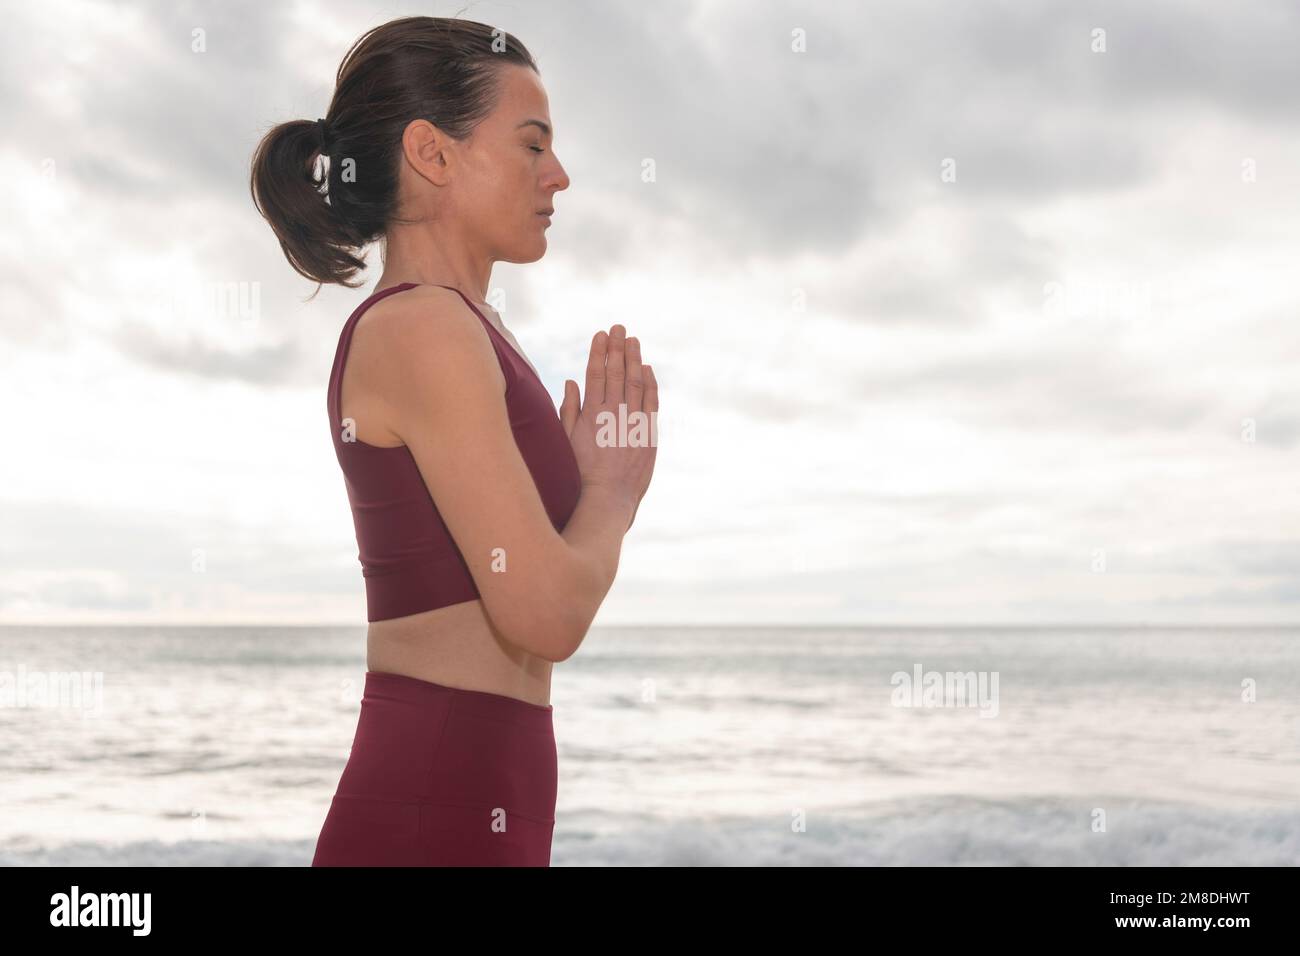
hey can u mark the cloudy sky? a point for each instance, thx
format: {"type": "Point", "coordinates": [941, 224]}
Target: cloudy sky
{"type": "Point", "coordinates": [962, 312]}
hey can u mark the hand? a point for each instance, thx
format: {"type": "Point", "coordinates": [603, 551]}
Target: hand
{"type": "Point", "coordinates": [615, 377]}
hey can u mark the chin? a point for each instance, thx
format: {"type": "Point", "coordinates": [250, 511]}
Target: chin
{"type": "Point", "coordinates": [531, 253]}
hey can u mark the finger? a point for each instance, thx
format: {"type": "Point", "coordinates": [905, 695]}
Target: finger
{"type": "Point", "coordinates": [615, 371]}
{"type": "Point", "coordinates": [635, 387]}
{"type": "Point", "coordinates": [596, 369]}
{"type": "Point", "coordinates": [569, 406]}
{"type": "Point", "coordinates": [650, 402]}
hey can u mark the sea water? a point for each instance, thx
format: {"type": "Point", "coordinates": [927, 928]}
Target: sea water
{"type": "Point", "coordinates": [692, 745]}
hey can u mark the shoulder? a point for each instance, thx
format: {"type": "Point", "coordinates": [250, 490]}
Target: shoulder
{"type": "Point", "coordinates": [423, 324]}
{"type": "Point", "coordinates": [425, 340]}
{"type": "Point", "coordinates": [414, 311]}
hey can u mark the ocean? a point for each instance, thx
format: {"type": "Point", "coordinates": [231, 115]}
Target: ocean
{"type": "Point", "coordinates": [692, 746]}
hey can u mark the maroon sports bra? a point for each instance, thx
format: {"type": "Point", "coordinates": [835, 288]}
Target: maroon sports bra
{"type": "Point", "coordinates": [408, 557]}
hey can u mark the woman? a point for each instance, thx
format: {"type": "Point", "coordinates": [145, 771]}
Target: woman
{"type": "Point", "coordinates": [488, 526]}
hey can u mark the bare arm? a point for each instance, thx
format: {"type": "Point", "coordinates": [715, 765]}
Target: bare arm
{"type": "Point", "coordinates": [443, 398]}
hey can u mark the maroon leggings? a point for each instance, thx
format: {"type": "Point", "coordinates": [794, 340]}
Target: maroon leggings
{"type": "Point", "coordinates": [443, 776]}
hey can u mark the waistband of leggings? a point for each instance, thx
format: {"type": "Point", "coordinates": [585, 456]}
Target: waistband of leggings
{"type": "Point", "coordinates": [477, 702]}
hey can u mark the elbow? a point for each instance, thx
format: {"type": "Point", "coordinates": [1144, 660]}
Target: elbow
{"type": "Point", "coordinates": [571, 632]}
{"type": "Point", "coordinates": [588, 585]}
{"type": "Point", "coordinates": [561, 650]}
{"type": "Point", "coordinates": [554, 638]}
{"type": "Point", "coordinates": [554, 621]}
{"type": "Point", "coordinates": [571, 614]}
{"type": "Point", "coordinates": [573, 596]}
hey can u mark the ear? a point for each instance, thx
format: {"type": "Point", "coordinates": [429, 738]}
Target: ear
{"type": "Point", "coordinates": [427, 151]}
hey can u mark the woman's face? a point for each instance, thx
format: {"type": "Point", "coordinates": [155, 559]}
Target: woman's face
{"type": "Point", "coordinates": [510, 172]}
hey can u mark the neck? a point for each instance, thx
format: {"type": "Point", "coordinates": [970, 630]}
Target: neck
{"type": "Point", "coordinates": [425, 256]}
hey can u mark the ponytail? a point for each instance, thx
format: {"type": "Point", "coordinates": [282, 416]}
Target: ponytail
{"type": "Point", "coordinates": [291, 195]}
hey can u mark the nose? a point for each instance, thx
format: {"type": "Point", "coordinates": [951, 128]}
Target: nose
{"type": "Point", "coordinates": [556, 178]}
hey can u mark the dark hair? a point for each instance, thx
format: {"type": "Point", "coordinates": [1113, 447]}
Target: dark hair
{"type": "Point", "coordinates": [440, 69]}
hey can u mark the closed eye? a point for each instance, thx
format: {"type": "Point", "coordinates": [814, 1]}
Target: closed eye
{"type": "Point", "coordinates": [537, 149]}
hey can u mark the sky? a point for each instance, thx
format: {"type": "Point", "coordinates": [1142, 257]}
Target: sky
{"type": "Point", "coordinates": [961, 313]}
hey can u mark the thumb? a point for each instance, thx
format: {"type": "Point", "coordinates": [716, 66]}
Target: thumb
{"type": "Point", "coordinates": [569, 407]}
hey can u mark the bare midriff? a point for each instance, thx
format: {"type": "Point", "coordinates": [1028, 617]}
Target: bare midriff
{"type": "Point", "coordinates": [457, 646]}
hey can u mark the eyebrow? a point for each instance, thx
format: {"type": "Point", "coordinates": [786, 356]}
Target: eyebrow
{"type": "Point", "coordinates": [544, 127]}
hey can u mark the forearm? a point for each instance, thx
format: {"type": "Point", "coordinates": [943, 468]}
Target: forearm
{"type": "Point", "coordinates": [594, 535]}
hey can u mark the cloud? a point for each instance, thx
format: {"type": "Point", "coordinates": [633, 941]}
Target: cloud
{"type": "Point", "coordinates": [928, 437]}
{"type": "Point", "coordinates": [260, 365]}
{"type": "Point", "coordinates": [1074, 385]}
